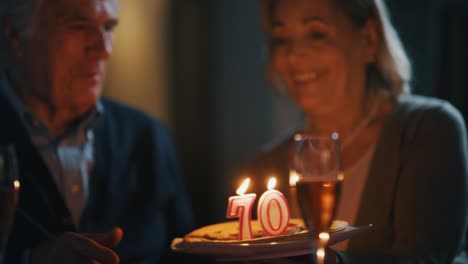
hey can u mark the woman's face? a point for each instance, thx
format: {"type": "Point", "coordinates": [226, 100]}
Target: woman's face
{"type": "Point", "coordinates": [319, 55]}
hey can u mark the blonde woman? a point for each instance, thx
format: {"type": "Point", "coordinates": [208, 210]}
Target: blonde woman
{"type": "Point", "coordinates": [404, 156]}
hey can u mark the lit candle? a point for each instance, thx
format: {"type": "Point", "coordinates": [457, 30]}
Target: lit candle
{"type": "Point", "coordinates": [293, 179]}
{"type": "Point", "coordinates": [16, 185]}
{"type": "Point", "coordinates": [273, 211]}
{"type": "Point", "coordinates": [241, 207]}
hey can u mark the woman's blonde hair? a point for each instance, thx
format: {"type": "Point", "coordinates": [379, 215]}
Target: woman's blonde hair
{"type": "Point", "coordinates": [391, 71]}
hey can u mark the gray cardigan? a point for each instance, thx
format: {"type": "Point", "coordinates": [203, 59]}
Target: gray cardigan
{"type": "Point", "coordinates": [416, 192]}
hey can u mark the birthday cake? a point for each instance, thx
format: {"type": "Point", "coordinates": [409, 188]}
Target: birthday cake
{"type": "Point", "coordinates": [229, 231]}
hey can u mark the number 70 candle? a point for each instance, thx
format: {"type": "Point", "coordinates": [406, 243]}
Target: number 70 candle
{"type": "Point", "coordinates": [240, 206]}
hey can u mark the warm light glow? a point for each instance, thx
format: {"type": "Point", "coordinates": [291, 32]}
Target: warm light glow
{"type": "Point", "coordinates": [321, 253]}
{"type": "Point", "coordinates": [324, 236]}
{"type": "Point", "coordinates": [340, 176]}
{"type": "Point", "coordinates": [143, 22]}
{"type": "Point", "coordinates": [298, 137]}
{"type": "Point", "coordinates": [293, 178]}
{"type": "Point", "coordinates": [271, 183]}
{"type": "Point", "coordinates": [243, 188]}
{"type": "Point", "coordinates": [16, 184]}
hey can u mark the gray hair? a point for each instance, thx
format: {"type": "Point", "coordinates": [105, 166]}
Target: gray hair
{"type": "Point", "coordinates": [392, 70]}
{"type": "Point", "coordinates": [23, 13]}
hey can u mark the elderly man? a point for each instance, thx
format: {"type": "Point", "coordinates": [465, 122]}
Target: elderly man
{"type": "Point", "coordinates": [99, 181]}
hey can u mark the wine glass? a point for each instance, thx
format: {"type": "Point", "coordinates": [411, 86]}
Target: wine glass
{"type": "Point", "coordinates": [9, 189]}
{"type": "Point", "coordinates": [317, 162]}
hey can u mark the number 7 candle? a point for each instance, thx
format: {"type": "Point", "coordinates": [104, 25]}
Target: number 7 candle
{"type": "Point", "coordinates": [240, 206]}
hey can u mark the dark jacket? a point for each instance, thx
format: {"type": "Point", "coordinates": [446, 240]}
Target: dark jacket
{"type": "Point", "coordinates": [136, 183]}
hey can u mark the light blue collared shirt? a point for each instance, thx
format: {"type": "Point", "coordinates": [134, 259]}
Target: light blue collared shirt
{"type": "Point", "coordinates": [69, 157]}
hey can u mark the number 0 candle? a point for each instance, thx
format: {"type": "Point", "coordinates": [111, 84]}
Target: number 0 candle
{"type": "Point", "coordinates": [273, 211]}
{"type": "Point", "coordinates": [241, 207]}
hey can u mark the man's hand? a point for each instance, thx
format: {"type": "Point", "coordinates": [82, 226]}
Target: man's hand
{"type": "Point", "coordinates": [79, 248]}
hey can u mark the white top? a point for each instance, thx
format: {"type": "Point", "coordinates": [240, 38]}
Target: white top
{"type": "Point", "coordinates": [351, 191]}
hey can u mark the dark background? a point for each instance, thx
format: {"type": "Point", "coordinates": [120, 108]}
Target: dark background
{"type": "Point", "coordinates": [223, 110]}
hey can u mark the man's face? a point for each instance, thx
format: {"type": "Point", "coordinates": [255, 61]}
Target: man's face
{"type": "Point", "coordinates": [67, 51]}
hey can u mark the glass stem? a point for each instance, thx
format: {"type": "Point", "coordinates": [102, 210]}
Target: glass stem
{"type": "Point", "coordinates": [320, 255]}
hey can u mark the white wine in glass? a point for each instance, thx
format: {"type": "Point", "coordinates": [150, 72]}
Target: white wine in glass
{"type": "Point", "coordinates": [317, 161]}
{"type": "Point", "coordinates": [9, 190]}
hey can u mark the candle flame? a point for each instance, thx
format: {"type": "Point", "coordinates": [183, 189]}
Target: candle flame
{"type": "Point", "coordinates": [293, 178]}
{"type": "Point", "coordinates": [16, 184]}
{"type": "Point", "coordinates": [241, 190]}
{"type": "Point", "coordinates": [271, 183]}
